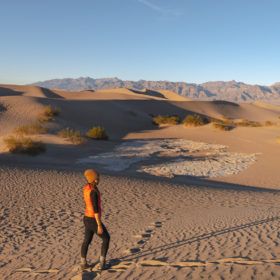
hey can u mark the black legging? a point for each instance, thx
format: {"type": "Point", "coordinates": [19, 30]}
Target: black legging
{"type": "Point", "coordinates": [90, 229]}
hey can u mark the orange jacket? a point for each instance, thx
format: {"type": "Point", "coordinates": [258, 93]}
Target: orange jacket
{"type": "Point", "coordinates": [89, 210]}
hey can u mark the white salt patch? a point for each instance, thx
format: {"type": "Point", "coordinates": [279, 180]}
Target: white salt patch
{"type": "Point", "coordinates": [213, 160]}
{"type": "Point", "coordinates": [221, 165]}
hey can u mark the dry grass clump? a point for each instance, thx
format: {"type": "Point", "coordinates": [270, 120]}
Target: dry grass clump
{"type": "Point", "coordinates": [195, 120]}
{"type": "Point", "coordinates": [97, 132]}
{"type": "Point", "coordinates": [269, 123]}
{"type": "Point", "coordinates": [35, 128]}
{"type": "Point", "coordinates": [24, 145]}
{"type": "Point", "coordinates": [49, 113]}
{"type": "Point", "coordinates": [74, 136]}
{"type": "Point", "coordinates": [223, 126]}
{"type": "Point", "coordinates": [229, 124]}
{"type": "Point", "coordinates": [160, 120]}
{"type": "Point", "coordinates": [247, 123]}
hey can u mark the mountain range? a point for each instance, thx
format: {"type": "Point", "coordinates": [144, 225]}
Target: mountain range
{"type": "Point", "coordinates": [219, 90]}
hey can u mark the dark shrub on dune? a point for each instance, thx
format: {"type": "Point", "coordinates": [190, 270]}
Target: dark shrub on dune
{"type": "Point", "coordinates": [49, 113]}
{"type": "Point", "coordinates": [74, 136]}
{"type": "Point", "coordinates": [195, 120]}
{"type": "Point", "coordinates": [223, 126]}
{"type": "Point", "coordinates": [247, 123]}
{"type": "Point", "coordinates": [97, 133]}
{"type": "Point", "coordinates": [24, 145]}
{"type": "Point", "coordinates": [269, 123]}
{"type": "Point", "coordinates": [171, 120]}
{"type": "Point", "coordinates": [35, 128]}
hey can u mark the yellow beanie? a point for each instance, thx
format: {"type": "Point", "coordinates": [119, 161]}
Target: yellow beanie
{"type": "Point", "coordinates": [91, 175]}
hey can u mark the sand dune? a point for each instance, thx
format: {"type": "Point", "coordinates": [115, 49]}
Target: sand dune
{"type": "Point", "coordinates": [221, 223]}
{"type": "Point", "coordinates": [32, 91]}
{"type": "Point", "coordinates": [267, 106]}
{"type": "Point", "coordinates": [225, 109]}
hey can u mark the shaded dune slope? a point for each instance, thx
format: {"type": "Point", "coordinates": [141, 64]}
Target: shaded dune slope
{"type": "Point", "coordinates": [120, 111]}
{"type": "Point", "coordinates": [32, 91]}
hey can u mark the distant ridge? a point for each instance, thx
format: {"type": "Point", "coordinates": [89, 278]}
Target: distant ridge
{"type": "Point", "coordinates": [219, 90]}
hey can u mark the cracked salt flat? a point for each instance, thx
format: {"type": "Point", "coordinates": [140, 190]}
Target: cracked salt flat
{"type": "Point", "coordinates": [176, 157]}
{"type": "Point", "coordinates": [221, 165]}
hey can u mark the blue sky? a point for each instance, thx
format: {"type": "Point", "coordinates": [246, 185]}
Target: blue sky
{"type": "Point", "coordinates": [178, 40]}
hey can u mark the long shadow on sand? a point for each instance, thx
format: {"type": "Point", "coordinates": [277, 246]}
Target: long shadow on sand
{"type": "Point", "coordinates": [191, 240]}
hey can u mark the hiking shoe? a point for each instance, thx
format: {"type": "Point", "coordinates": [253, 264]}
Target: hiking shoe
{"type": "Point", "coordinates": [83, 264]}
{"type": "Point", "coordinates": [102, 264]}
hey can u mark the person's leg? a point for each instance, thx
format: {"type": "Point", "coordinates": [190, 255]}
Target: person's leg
{"type": "Point", "coordinates": [105, 246]}
{"type": "Point", "coordinates": [105, 241]}
{"type": "Point", "coordinates": [87, 240]}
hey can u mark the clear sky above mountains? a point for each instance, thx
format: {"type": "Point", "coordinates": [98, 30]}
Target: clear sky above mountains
{"type": "Point", "coordinates": [178, 40]}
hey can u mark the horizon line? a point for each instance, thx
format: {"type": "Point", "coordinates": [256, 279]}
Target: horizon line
{"type": "Point", "coordinates": [139, 80]}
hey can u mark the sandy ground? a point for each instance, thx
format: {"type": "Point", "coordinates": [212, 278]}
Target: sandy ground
{"type": "Point", "coordinates": [182, 227]}
{"type": "Point", "coordinates": [196, 232]}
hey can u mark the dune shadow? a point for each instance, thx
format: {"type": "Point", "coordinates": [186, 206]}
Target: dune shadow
{"type": "Point", "coordinates": [224, 102]}
{"type": "Point", "coordinates": [87, 90]}
{"type": "Point", "coordinates": [200, 182]}
{"type": "Point", "coordinates": [9, 92]}
{"type": "Point", "coordinates": [65, 157]}
{"type": "Point", "coordinates": [118, 117]}
{"type": "Point", "coordinates": [50, 94]}
{"type": "Point", "coordinates": [148, 92]}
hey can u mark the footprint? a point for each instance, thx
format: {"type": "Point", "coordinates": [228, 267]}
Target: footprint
{"type": "Point", "coordinates": [146, 235]}
{"type": "Point", "coordinates": [133, 250]}
{"type": "Point", "coordinates": [156, 224]}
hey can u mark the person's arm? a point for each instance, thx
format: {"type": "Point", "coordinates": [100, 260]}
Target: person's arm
{"type": "Point", "coordinates": [94, 199]}
{"type": "Point", "coordinates": [99, 224]}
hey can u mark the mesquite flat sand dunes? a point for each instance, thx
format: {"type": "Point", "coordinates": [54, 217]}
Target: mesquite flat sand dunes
{"type": "Point", "coordinates": [179, 202]}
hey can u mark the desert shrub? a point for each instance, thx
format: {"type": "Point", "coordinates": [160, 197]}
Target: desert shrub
{"type": "Point", "coordinates": [24, 145]}
{"type": "Point", "coordinates": [74, 136]}
{"type": "Point", "coordinates": [49, 113]}
{"type": "Point", "coordinates": [269, 123]}
{"type": "Point", "coordinates": [247, 123]}
{"type": "Point", "coordinates": [195, 120]}
{"type": "Point", "coordinates": [223, 126]}
{"type": "Point", "coordinates": [97, 132]}
{"type": "Point", "coordinates": [35, 128]}
{"type": "Point", "coordinates": [160, 119]}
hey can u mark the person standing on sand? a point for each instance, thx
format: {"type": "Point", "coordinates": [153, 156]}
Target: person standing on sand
{"type": "Point", "coordinates": [92, 219]}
